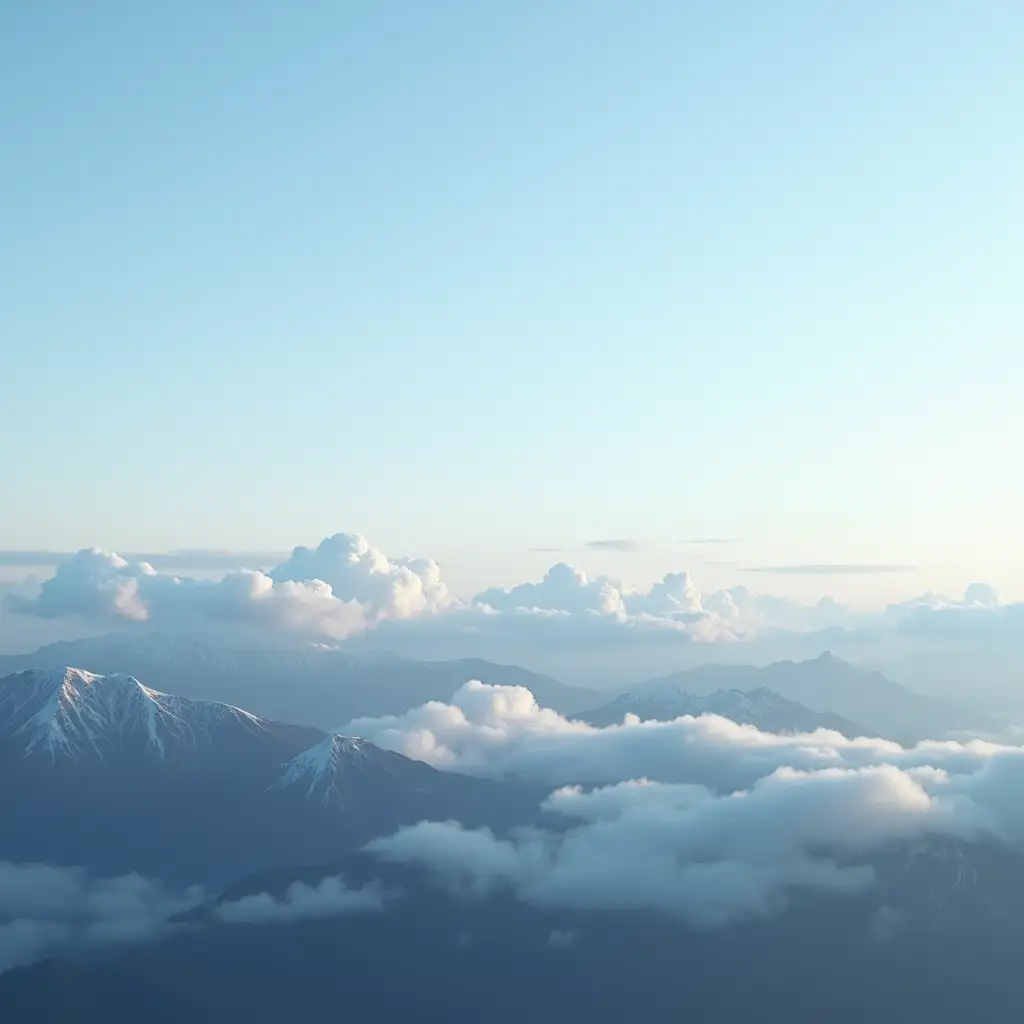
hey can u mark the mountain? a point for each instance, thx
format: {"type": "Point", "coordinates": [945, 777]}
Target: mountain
{"type": "Point", "coordinates": [762, 708]}
{"type": "Point", "coordinates": [952, 955]}
{"type": "Point", "coordinates": [829, 684]}
{"type": "Point", "coordinates": [105, 772]}
{"type": "Point", "coordinates": [316, 686]}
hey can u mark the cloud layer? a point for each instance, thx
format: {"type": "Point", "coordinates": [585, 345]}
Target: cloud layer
{"type": "Point", "coordinates": [699, 817]}
{"type": "Point", "coordinates": [45, 909]}
{"type": "Point", "coordinates": [342, 587]}
{"type": "Point", "coordinates": [327, 898]}
{"type": "Point", "coordinates": [501, 732]}
{"type": "Point", "coordinates": [684, 850]}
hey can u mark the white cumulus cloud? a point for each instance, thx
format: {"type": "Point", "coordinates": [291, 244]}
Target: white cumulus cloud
{"type": "Point", "coordinates": [686, 850]}
{"type": "Point", "coordinates": [501, 731]}
{"type": "Point", "coordinates": [340, 588]}
{"type": "Point", "coordinates": [346, 589]}
{"type": "Point", "coordinates": [698, 817]}
{"type": "Point", "coordinates": [356, 571]}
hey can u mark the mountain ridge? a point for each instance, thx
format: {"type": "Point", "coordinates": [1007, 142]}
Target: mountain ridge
{"type": "Point", "coordinates": [828, 684]}
{"type": "Point", "coordinates": [317, 686]}
{"type": "Point", "coordinates": [119, 777]}
{"type": "Point", "coordinates": [762, 708]}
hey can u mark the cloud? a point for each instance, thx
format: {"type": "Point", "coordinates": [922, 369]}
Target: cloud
{"type": "Point", "coordinates": [563, 589]}
{"type": "Point", "coordinates": [586, 629]}
{"type": "Point", "coordinates": [102, 587]}
{"type": "Point", "coordinates": [32, 558]}
{"type": "Point", "coordinates": [46, 909]}
{"type": "Point", "coordinates": [712, 540]}
{"type": "Point", "coordinates": [603, 609]}
{"type": "Point", "coordinates": [699, 818]}
{"type": "Point", "coordinates": [979, 617]}
{"type": "Point", "coordinates": [675, 597]}
{"type": "Point", "coordinates": [568, 605]}
{"type": "Point", "coordinates": [501, 731]}
{"type": "Point", "coordinates": [326, 899]}
{"type": "Point", "coordinates": [981, 595]}
{"type": "Point", "coordinates": [355, 571]}
{"type": "Point", "coordinates": [746, 614]}
{"type": "Point", "coordinates": [625, 546]}
{"type": "Point", "coordinates": [24, 941]}
{"type": "Point", "coordinates": [199, 558]}
{"type": "Point", "coordinates": [345, 589]}
{"type": "Point", "coordinates": [340, 588]}
{"type": "Point", "coordinates": [848, 569]}
{"type": "Point", "coordinates": [204, 558]}
{"type": "Point", "coordinates": [686, 850]}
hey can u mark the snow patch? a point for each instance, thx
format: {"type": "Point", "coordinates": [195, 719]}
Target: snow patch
{"type": "Point", "coordinates": [318, 768]}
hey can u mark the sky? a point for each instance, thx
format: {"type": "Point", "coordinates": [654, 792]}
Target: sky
{"type": "Point", "coordinates": [476, 280]}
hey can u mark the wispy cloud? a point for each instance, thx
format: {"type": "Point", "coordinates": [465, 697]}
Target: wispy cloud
{"type": "Point", "coordinates": [621, 544]}
{"type": "Point", "coordinates": [32, 558]}
{"type": "Point", "coordinates": [208, 559]}
{"type": "Point", "coordinates": [184, 559]}
{"type": "Point", "coordinates": [47, 910]}
{"type": "Point", "coordinates": [841, 569]}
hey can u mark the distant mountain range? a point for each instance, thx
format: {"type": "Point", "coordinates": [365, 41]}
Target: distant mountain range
{"type": "Point", "coordinates": [105, 772]}
{"type": "Point", "coordinates": [828, 684]}
{"type": "Point", "coordinates": [327, 688]}
{"type": "Point", "coordinates": [762, 708]}
{"type": "Point", "coordinates": [936, 939]}
{"type": "Point", "coordinates": [102, 771]}
{"type": "Point", "coordinates": [316, 686]}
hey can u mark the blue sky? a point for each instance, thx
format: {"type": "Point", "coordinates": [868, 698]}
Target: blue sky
{"type": "Point", "coordinates": [474, 279]}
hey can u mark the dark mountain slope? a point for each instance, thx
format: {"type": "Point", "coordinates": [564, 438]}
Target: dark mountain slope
{"type": "Point", "coordinates": [499, 960]}
{"type": "Point", "coordinates": [103, 772]}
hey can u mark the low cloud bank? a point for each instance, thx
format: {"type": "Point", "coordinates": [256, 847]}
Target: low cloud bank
{"type": "Point", "coordinates": [49, 911]}
{"type": "Point", "coordinates": [703, 818]}
{"type": "Point", "coordinates": [46, 910]}
{"type": "Point", "coordinates": [687, 851]}
{"type": "Point", "coordinates": [325, 899]}
{"type": "Point", "coordinates": [698, 817]}
{"type": "Point", "coordinates": [501, 732]}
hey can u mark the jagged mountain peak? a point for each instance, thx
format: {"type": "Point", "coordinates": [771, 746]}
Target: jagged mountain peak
{"type": "Point", "coordinates": [317, 770]}
{"type": "Point", "coordinates": [122, 777]}
{"type": "Point", "coordinates": [73, 713]}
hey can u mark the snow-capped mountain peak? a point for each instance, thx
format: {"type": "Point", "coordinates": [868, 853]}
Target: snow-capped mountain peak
{"type": "Point", "coordinates": [74, 713]}
{"type": "Point", "coordinates": [317, 769]}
